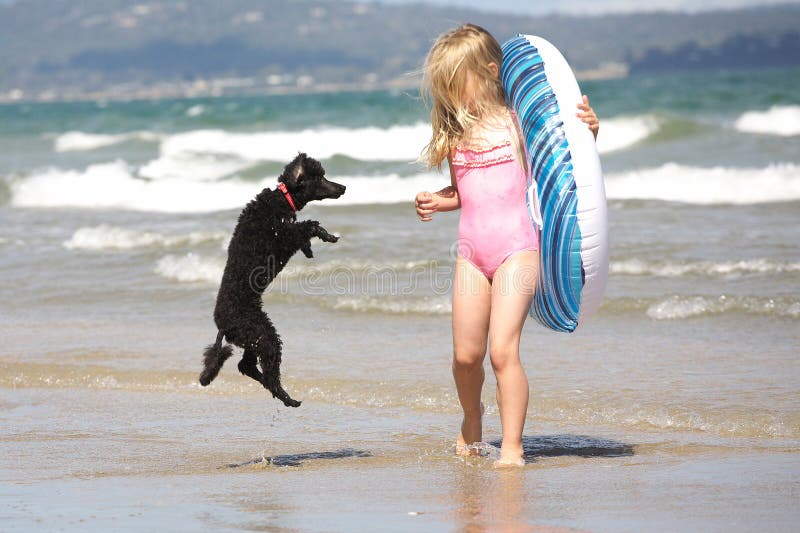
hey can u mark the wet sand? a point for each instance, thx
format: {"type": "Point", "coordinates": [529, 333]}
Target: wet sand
{"type": "Point", "coordinates": [164, 461]}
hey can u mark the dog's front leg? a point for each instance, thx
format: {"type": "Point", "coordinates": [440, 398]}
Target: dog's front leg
{"type": "Point", "coordinates": [309, 229]}
{"type": "Point", "coordinates": [305, 231]}
{"type": "Point", "coordinates": [323, 234]}
{"type": "Point", "coordinates": [313, 229]}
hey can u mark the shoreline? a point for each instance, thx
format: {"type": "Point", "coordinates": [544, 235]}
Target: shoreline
{"type": "Point", "coordinates": [243, 87]}
{"type": "Point", "coordinates": [251, 87]}
{"type": "Point", "coordinates": [181, 92]}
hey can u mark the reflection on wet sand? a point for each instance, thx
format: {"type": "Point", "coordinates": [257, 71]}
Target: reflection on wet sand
{"type": "Point", "coordinates": [503, 500]}
{"type": "Point", "coordinates": [496, 501]}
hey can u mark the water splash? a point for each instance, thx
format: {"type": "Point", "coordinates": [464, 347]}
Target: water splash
{"type": "Point", "coordinates": [477, 451]}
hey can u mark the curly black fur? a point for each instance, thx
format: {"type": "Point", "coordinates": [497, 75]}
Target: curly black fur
{"type": "Point", "coordinates": [265, 238]}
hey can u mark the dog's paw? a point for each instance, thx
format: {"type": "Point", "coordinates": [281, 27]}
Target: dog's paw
{"type": "Point", "coordinates": [327, 237]}
{"type": "Point", "coordinates": [291, 403]}
{"type": "Point", "coordinates": [307, 251]}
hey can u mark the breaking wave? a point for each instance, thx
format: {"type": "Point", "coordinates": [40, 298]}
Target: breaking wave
{"type": "Point", "coordinates": [639, 267]}
{"type": "Point", "coordinates": [105, 237]}
{"type": "Point", "coordinates": [191, 268]}
{"type": "Point", "coordinates": [623, 132]}
{"type": "Point", "coordinates": [78, 141]}
{"type": "Point", "coordinates": [783, 121]}
{"type": "Point", "coordinates": [678, 307]}
{"type": "Point", "coordinates": [699, 185]}
{"type": "Point", "coordinates": [114, 185]}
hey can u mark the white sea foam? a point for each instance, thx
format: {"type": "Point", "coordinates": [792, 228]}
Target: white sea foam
{"type": "Point", "coordinates": [200, 167]}
{"type": "Point", "coordinates": [623, 132]}
{"type": "Point", "coordinates": [640, 267]}
{"type": "Point", "coordinates": [386, 189]}
{"type": "Point", "coordinates": [78, 141]}
{"type": "Point", "coordinates": [195, 111]}
{"type": "Point", "coordinates": [716, 185]}
{"type": "Point", "coordinates": [440, 305]}
{"type": "Point", "coordinates": [356, 266]}
{"type": "Point", "coordinates": [401, 143]}
{"type": "Point", "coordinates": [777, 120]}
{"type": "Point", "coordinates": [209, 154]}
{"type": "Point", "coordinates": [105, 237]}
{"type": "Point", "coordinates": [113, 185]}
{"type": "Point", "coordinates": [678, 307]}
{"type": "Point", "coordinates": [200, 152]}
{"type": "Point", "coordinates": [597, 409]}
{"type": "Point", "coordinates": [191, 268]}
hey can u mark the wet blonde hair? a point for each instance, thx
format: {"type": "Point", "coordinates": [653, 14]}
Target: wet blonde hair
{"type": "Point", "coordinates": [459, 57]}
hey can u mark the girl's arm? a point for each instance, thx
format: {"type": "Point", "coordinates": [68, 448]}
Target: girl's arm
{"type": "Point", "coordinates": [427, 203]}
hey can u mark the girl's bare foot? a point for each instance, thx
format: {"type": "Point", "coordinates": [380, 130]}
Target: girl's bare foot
{"type": "Point", "coordinates": [510, 458]}
{"type": "Point", "coordinates": [511, 461]}
{"type": "Point", "coordinates": [471, 432]}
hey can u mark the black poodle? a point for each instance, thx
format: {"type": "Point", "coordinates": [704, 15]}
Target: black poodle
{"type": "Point", "coordinates": [265, 238]}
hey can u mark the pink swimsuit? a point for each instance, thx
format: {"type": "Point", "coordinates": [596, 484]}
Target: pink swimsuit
{"type": "Point", "coordinates": [494, 222]}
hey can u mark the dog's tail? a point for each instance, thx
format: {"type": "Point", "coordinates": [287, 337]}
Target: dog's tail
{"type": "Point", "coordinates": [214, 357]}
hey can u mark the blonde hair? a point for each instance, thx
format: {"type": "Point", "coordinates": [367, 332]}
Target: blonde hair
{"type": "Point", "coordinates": [459, 57]}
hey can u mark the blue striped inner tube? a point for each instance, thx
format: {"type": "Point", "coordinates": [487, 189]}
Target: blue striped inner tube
{"type": "Point", "coordinates": [558, 295]}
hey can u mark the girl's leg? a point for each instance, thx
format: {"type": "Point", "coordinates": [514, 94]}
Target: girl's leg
{"type": "Point", "coordinates": [471, 305]}
{"type": "Point", "coordinates": [512, 292]}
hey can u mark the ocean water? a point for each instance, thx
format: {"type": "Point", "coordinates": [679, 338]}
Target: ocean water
{"type": "Point", "coordinates": [677, 407]}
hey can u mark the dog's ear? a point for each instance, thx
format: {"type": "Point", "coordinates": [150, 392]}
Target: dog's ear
{"type": "Point", "coordinates": [293, 170]}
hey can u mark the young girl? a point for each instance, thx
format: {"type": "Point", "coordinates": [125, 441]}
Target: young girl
{"type": "Point", "coordinates": [497, 264]}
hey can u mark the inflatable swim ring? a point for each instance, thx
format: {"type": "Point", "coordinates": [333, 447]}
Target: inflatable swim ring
{"type": "Point", "coordinates": [566, 196]}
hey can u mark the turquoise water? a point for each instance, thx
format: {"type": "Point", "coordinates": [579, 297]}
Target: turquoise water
{"type": "Point", "coordinates": [114, 217]}
{"type": "Point", "coordinates": [723, 94]}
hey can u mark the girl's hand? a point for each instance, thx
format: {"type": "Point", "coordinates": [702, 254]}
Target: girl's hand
{"type": "Point", "coordinates": [425, 206]}
{"type": "Point", "coordinates": [588, 116]}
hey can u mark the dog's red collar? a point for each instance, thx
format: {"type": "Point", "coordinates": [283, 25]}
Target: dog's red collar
{"type": "Point", "coordinates": [285, 191]}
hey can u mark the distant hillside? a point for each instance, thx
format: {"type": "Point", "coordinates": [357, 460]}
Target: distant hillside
{"type": "Point", "coordinates": [735, 52]}
{"type": "Point", "coordinates": [65, 48]}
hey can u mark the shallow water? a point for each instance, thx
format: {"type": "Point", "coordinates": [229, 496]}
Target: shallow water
{"type": "Point", "coordinates": [677, 408]}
